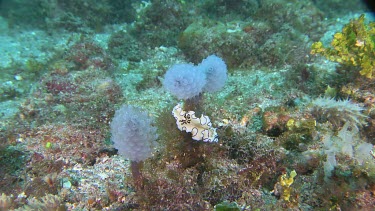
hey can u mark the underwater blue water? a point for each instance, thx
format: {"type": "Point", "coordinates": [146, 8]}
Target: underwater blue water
{"type": "Point", "coordinates": [275, 105]}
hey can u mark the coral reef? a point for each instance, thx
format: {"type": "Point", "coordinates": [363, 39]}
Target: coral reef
{"type": "Point", "coordinates": [354, 46]}
{"type": "Point", "coordinates": [338, 112]}
{"type": "Point", "coordinates": [68, 15]}
{"type": "Point", "coordinates": [160, 22]}
{"type": "Point", "coordinates": [251, 129]}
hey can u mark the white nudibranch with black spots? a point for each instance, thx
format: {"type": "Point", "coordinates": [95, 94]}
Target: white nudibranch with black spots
{"type": "Point", "coordinates": [200, 128]}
